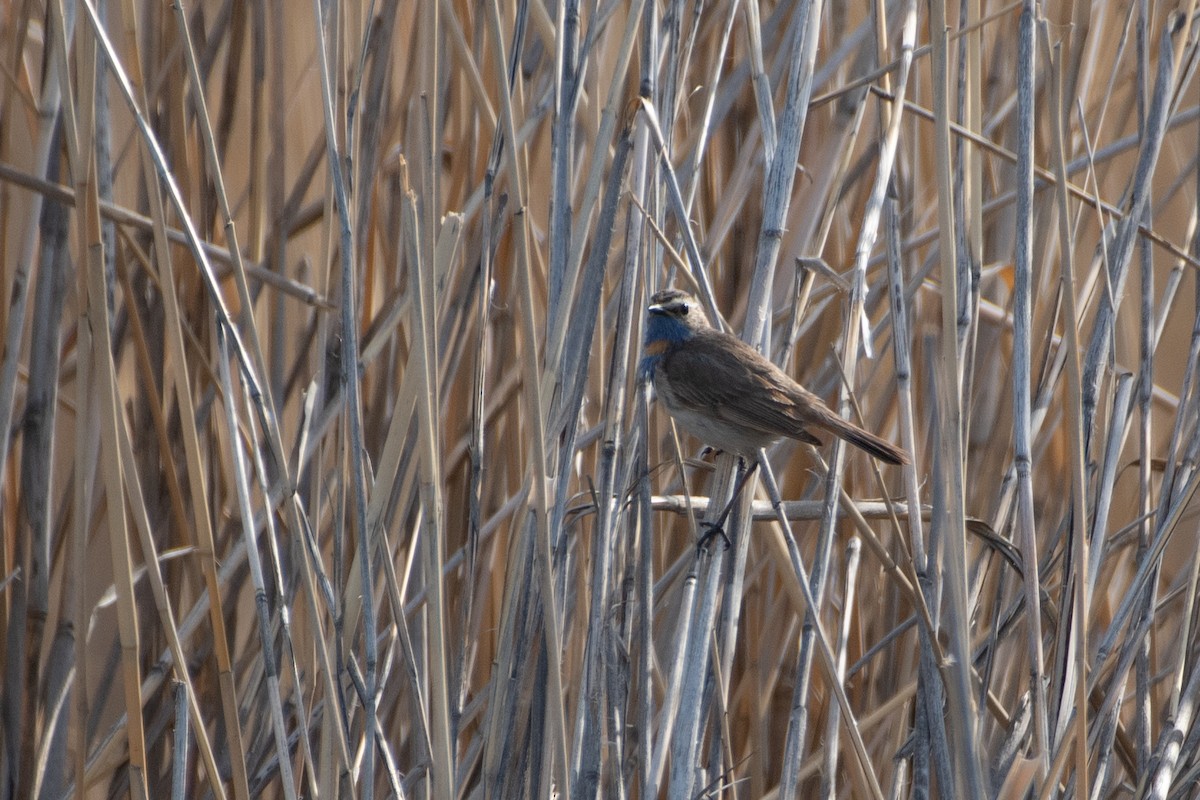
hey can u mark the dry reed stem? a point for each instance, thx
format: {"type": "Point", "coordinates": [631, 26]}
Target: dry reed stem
{"type": "Point", "coordinates": [326, 468]}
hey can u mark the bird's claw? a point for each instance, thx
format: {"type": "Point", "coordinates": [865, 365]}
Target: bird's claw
{"type": "Point", "coordinates": [711, 531]}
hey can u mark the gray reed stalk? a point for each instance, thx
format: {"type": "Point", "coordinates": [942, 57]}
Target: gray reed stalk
{"type": "Point", "coordinates": [950, 526]}
{"type": "Point", "coordinates": [1025, 525]}
{"type": "Point", "coordinates": [1060, 108]}
{"type": "Point", "coordinates": [571, 338]}
{"type": "Point", "coordinates": [856, 319]}
{"type": "Point", "coordinates": [850, 581]}
{"type": "Point", "coordinates": [585, 765]}
{"type": "Point", "coordinates": [266, 399]}
{"type": "Point", "coordinates": [353, 409]}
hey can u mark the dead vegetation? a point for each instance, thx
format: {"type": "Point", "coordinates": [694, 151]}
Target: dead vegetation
{"type": "Point", "coordinates": [283, 279]}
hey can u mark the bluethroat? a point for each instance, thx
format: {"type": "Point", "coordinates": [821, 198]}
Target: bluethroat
{"type": "Point", "coordinates": [729, 395]}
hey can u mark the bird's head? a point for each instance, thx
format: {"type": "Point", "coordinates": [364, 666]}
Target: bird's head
{"type": "Point", "coordinates": [673, 317]}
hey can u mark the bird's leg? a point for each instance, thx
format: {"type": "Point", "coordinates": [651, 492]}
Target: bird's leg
{"type": "Point", "coordinates": [718, 527]}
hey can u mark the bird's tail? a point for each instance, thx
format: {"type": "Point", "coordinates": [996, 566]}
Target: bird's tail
{"type": "Point", "coordinates": [879, 448]}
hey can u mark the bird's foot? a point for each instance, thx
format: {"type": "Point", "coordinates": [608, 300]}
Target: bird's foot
{"type": "Point", "coordinates": [711, 531]}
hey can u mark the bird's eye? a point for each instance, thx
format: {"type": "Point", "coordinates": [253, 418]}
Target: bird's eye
{"type": "Point", "coordinates": [683, 309]}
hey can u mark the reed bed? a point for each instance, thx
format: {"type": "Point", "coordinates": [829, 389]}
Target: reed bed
{"type": "Point", "coordinates": [326, 469]}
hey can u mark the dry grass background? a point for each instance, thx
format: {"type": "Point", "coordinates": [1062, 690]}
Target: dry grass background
{"type": "Point", "coordinates": [280, 279]}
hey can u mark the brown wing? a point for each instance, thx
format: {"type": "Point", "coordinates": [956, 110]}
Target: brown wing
{"type": "Point", "coordinates": [723, 377]}
{"type": "Point", "coordinates": [727, 379]}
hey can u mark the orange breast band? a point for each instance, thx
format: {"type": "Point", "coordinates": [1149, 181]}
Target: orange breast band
{"type": "Point", "coordinates": [657, 348]}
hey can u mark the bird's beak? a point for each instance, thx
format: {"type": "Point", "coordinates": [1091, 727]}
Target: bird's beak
{"type": "Point", "coordinates": [656, 309]}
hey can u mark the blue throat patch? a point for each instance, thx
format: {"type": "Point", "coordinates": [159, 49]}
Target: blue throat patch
{"type": "Point", "coordinates": [662, 333]}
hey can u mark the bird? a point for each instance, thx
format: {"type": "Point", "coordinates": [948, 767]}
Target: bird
{"type": "Point", "coordinates": [732, 397]}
